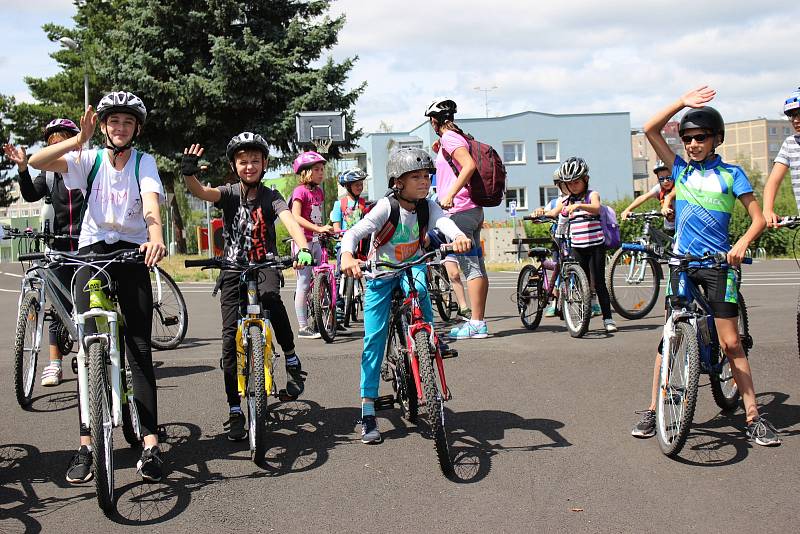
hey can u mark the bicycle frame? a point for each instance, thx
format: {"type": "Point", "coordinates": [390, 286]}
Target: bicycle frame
{"type": "Point", "coordinates": [252, 314]}
{"type": "Point", "coordinates": [40, 279]}
{"type": "Point", "coordinates": [329, 271]}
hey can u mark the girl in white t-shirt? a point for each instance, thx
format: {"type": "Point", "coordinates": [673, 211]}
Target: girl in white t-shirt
{"type": "Point", "coordinates": [122, 191]}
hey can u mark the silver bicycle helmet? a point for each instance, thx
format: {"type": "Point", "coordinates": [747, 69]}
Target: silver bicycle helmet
{"type": "Point", "coordinates": [244, 141]}
{"type": "Point", "coordinates": [573, 169]}
{"type": "Point", "coordinates": [407, 160]}
{"type": "Point", "coordinates": [122, 102]}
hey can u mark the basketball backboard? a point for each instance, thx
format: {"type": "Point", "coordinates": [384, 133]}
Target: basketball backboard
{"type": "Point", "coordinates": [320, 128]}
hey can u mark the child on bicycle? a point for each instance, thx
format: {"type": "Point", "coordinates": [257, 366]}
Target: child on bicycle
{"type": "Point", "coordinates": [706, 190]}
{"type": "Point", "coordinates": [306, 205]}
{"type": "Point", "coordinates": [582, 208]}
{"type": "Point", "coordinates": [409, 171]}
{"type": "Point", "coordinates": [659, 191]}
{"type": "Point", "coordinates": [788, 159]}
{"type": "Point", "coordinates": [345, 213]}
{"type": "Point", "coordinates": [122, 191]}
{"type": "Point", "coordinates": [64, 207]}
{"type": "Point", "coordinates": [249, 211]}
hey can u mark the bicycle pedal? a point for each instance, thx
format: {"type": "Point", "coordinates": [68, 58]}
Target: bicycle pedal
{"type": "Point", "coordinates": [284, 396]}
{"type": "Point", "coordinates": [449, 353]}
{"type": "Point", "coordinates": [171, 320]}
{"type": "Point", "coordinates": [385, 402]}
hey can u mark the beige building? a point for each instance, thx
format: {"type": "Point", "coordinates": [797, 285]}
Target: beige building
{"type": "Point", "coordinates": [645, 158]}
{"type": "Point", "coordinates": [754, 143]}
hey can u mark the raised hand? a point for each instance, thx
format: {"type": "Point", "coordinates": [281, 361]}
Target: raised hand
{"type": "Point", "coordinates": [88, 124]}
{"type": "Point", "coordinates": [699, 97]}
{"type": "Point", "coordinates": [191, 158]}
{"type": "Point", "coordinates": [16, 155]}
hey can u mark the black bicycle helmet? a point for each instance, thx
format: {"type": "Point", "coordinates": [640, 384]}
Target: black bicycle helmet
{"type": "Point", "coordinates": [705, 118]}
{"type": "Point", "coordinates": [244, 141]}
{"type": "Point", "coordinates": [573, 169]}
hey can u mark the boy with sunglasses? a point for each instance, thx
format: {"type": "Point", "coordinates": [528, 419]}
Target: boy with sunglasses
{"type": "Point", "coordinates": [788, 159]}
{"type": "Point", "coordinates": [706, 190]}
{"type": "Point", "coordinates": [659, 191]}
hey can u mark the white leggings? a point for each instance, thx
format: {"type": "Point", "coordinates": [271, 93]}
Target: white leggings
{"type": "Point", "coordinates": [304, 276]}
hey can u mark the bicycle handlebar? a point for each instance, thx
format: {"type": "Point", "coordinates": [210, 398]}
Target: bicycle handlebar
{"type": "Point", "coordinates": [539, 219]}
{"type": "Point", "coordinates": [789, 222]}
{"type": "Point", "coordinates": [720, 259]}
{"type": "Point", "coordinates": [645, 215]}
{"type": "Point", "coordinates": [32, 256]}
{"type": "Point", "coordinates": [224, 264]}
{"type": "Point", "coordinates": [29, 233]}
{"type": "Point", "coordinates": [441, 252]}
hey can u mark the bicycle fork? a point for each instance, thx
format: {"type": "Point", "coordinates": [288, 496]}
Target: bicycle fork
{"type": "Point", "coordinates": [105, 320]}
{"type": "Point", "coordinates": [415, 327]}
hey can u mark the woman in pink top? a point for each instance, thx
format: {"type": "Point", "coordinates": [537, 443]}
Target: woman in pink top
{"type": "Point", "coordinates": [454, 196]}
{"type": "Point", "coordinates": [306, 204]}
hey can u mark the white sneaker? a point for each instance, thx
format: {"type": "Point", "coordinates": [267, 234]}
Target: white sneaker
{"type": "Point", "coordinates": [610, 325]}
{"type": "Point", "coordinates": [51, 375]}
{"type": "Point", "coordinates": [308, 333]}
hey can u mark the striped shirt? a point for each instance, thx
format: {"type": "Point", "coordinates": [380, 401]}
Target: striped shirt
{"type": "Point", "coordinates": [587, 230]}
{"type": "Point", "coordinates": [790, 156]}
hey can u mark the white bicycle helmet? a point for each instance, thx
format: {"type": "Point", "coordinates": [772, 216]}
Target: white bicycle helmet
{"type": "Point", "coordinates": [442, 107]}
{"type": "Point", "coordinates": [246, 140]}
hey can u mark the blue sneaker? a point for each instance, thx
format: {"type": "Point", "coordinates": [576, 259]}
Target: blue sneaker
{"type": "Point", "coordinates": [469, 331]}
{"type": "Point", "coordinates": [550, 311]}
{"type": "Point", "coordinates": [596, 310]}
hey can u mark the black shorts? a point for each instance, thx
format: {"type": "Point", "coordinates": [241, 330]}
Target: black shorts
{"type": "Point", "coordinates": [720, 287]}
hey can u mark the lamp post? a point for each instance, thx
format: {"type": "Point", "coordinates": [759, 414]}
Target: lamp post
{"type": "Point", "coordinates": [485, 91]}
{"type": "Point", "coordinates": [67, 42]}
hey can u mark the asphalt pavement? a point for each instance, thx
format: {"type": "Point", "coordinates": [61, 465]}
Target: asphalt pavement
{"type": "Point", "coordinates": [539, 427]}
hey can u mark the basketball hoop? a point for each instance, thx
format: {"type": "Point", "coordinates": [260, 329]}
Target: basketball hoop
{"type": "Point", "coordinates": [322, 144]}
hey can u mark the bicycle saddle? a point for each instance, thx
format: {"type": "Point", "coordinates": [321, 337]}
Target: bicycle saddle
{"type": "Point", "coordinates": [539, 252]}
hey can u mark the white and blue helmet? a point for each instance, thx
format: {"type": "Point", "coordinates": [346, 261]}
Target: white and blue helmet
{"type": "Point", "coordinates": [792, 103]}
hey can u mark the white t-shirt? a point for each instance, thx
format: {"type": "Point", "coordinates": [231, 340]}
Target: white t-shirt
{"type": "Point", "coordinates": [114, 212]}
{"type": "Point", "coordinates": [655, 191]}
{"type": "Point", "coordinates": [790, 156]}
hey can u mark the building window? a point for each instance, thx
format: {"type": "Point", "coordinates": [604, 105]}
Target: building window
{"type": "Point", "coordinates": [773, 130]}
{"type": "Point", "coordinates": [518, 195]}
{"type": "Point", "coordinates": [410, 144]}
{"type": "Point", "coordinates": [546, 194]}
{"type": "Point", "coordinates": [773, 147]}
{"type": "Point", "coordinates": [514, 152]}
{"type": "Point", "coordinates": [547, 151]}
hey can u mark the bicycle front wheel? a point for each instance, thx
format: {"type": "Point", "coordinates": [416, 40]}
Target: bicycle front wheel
{"type": "Point", "coordinates": [441, 291]}
{"type": "Point", "coordinates": [170, 317]}
{"type": "Point", "coordinates": [530, 292]}
{"type": "Point", "coordinates": [358, 300]}
{"type": "Point", "coordinates": [27, 343]}
{"type": "Point", "coordinates": [577, 300]}
{"type": "Point", "coordinates": [256, 394]}
{"type": "Point", "coordinates": [402, 379]}
{"type": "Point", "coordinates": [633, 281]}
{"type": "Point", "coordinates": [348, 292]}
{"type": "Point", "coordinates": [677, 390]}
{"type": "Point", "coordinates": [434, 402]}
{"type": "Point", "coordinates": [101, 425]}
{"type": "Point", "coordinates": [723, 385]}
{"type": "Point", "coordinates": [324, 312]}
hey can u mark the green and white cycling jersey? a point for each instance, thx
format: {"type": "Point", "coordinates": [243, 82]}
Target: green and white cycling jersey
{"type": "Point", "coordinates": [705, 196]}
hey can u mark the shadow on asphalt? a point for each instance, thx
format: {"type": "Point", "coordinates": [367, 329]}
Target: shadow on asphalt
{"type": "Point", "coordinates": [179, 370]}
{"type": "Point", "coordinates": [477, 436]}
{"type": "Point", "coordinates": [54, 402]}
{"type": "Point", "coordinates": [21, 467]}
{"type": "Point", "coordinates": [720, 441]}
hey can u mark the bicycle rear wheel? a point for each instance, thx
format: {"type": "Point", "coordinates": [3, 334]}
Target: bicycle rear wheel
{"type": "Point", "coordinates": [577, 300]}
{"type": "Point", "coordinates": [65, 341]}
{"type": "Point", "coordinates": [441, 291]}
{"type": "Point", "coordinates": [402, 378]}
{"type": "Point", "coordinates": [434, 403]}
{"type": "Point", "coordinates": [324, 311]}
{"type": "Point", "coordinates": [633, 281]}
{"type": "Point", "coordinates": [348, 299]}
{"type": "Point", "coordinates": [27, 343]}
{"type": "Point", "coordinates": [723, 385]}
{"type": "Point", "coordinates": [358, 300]}
{"type": "Point", "coordinates": [530, 290]}
{"type": "Point", "coordinates": [130, 415]}
{"type": "Point", "coordinates": [101, 426]}
{"type": "Point", "coordinates": [170, 317]}
{"type": "Point", "coordinates": [677, 395]}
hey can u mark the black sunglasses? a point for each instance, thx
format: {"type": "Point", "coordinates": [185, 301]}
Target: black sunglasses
{"type": "Point", "coordinates": [699, 138]}
{"type": "Point", "coordinates": [665, 179]}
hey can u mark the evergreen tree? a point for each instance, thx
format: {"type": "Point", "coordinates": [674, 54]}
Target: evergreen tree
{"type": "Point", "coordinates": [6, 172]}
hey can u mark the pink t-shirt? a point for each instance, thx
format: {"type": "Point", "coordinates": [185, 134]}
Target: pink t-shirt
{"type": "Point", "coordinates": [445, 176]}
{"type": "Point", "coordinates": [310, 205]}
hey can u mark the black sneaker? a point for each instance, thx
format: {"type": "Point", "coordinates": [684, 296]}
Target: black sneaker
{"type": "Point", "coordinates": [763, 433]}
{"type": "Point", "coordinates": [646, 427]}
{"type": "Point", "coordinates": [295, 378]}
{"type": "Point", "coordinates": [150, 464]}
{"type": "Point", "coordinates": [80, 467]}
{"type": "Point", "coordinates": [235, 425]}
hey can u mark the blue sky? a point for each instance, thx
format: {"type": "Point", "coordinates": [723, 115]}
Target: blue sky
{"type": "Point", "coordinates": [558, 57]}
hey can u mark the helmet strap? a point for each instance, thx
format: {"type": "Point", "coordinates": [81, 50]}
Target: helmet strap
{"type": "Point", "coordinates": [117, 150]}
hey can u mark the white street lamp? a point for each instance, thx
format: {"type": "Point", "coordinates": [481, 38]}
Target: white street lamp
{"type": "Point", "coordinates": [67, 42]}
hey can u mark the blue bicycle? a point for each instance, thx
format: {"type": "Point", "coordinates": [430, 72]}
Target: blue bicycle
{"type": "Point", "coordinates": [691, 347]}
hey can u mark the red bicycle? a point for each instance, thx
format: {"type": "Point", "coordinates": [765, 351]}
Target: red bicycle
{"type": "Point", "coordinates": [414, 363]}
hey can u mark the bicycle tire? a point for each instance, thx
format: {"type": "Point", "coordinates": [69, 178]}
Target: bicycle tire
{"type": "Point", "coordinates": [25, 365]}
{"type": "Point", "coordinates": [441, 291]}
{"type": "Point", "coordinates": [257, 394]}
{"type": "Point", "coordinates": [101, 427]}
{"type": "Point", "coordinates": [576, 291]}
{"type": "Point", "coordinates": [348, 293]}
{"type": "Point", "coordinates": [529, 297]}
{"type": "Point", "coordinates": [644, 300]}
{"type": "Point", "coordinates": [170, 316]}
{"type": "Point", "coordinates": [358, 301]}
{"type": "Point", "coordinates": [684, 365]}
{"type": "Point", "coordinates": [324, 311]}
{"type": "Point", "coordinates": [434, 403]}
{"type": "Point", "coordinates": [402, 378]}
{"type": "Point", "coordinates": [130, 415]}
{"type": "Point", "coordinates": [798, 324]}
{"type": "Point", "coordinates": [723, 386]}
